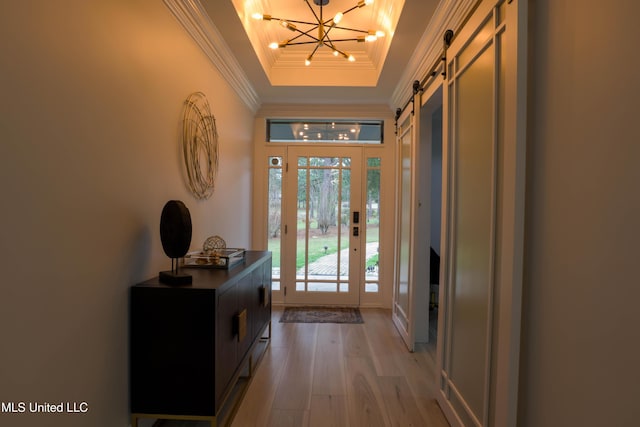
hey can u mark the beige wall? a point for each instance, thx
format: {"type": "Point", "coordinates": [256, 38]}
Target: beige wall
{"type": "Point", "coordinates": [91, 97]}
{"type": "Point", "coordinates": [581, 345]}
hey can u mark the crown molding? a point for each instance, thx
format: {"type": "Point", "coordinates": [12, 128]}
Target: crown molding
{"type": "Point", "coordinates": [193, 17]}
{"type": "Point", "coordinates": [450, 14]}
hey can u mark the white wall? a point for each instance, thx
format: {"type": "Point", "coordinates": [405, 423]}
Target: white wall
{"type": "Point", "coordinates": [91, 96]}
{"type": "Point", "coordinates": [581, 342]}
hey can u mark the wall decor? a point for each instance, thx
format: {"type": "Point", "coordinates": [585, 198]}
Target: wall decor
{"type": "Point", "coordinates": [200, 146]}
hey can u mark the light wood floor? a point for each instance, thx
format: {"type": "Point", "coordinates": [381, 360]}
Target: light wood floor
{"type": "Point", "coordinates": [341, 375]}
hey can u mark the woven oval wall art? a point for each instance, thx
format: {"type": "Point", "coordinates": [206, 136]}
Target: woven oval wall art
{"type": "Point", "coordinates": [200, 146]}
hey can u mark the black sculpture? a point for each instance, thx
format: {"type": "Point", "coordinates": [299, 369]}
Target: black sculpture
{"type": "Point", "coordinates": [175, 234]}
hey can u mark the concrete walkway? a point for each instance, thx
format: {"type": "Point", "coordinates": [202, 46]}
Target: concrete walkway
{"type": "Point", "coordinates": [326, 265]}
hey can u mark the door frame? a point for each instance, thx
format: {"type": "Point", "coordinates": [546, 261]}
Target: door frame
{"type": "Point", "coordinates": [384, 151]}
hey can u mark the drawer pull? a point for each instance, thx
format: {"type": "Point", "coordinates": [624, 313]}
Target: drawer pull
{"type": "Point", "coordinates": [264, 296]}
{"type": "Point", "coordinates": [240, 324]}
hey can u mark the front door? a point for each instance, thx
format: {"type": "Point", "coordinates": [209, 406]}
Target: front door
{"type": "Point", "coordinates": [321, 259]}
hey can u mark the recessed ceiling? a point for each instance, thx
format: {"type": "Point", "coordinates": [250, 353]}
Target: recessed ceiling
{"type": "Point", "coordinates": [286, 66]}
{"type": "Point", "coordinates": [282, 77]}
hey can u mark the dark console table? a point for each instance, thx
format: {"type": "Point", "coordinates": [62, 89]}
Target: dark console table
{"type": "Point", "coordinates": [189, 345]}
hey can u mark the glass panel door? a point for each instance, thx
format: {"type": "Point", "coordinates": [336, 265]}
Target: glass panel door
{"type": "Point", "coordinates": [324, 225]}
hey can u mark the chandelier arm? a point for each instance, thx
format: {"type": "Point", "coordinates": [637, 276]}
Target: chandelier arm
{"type": "Point", "coordinates": [300, 43]}
{"type": "Point", "coordinates": [326, 32]}
{"type": "Point", "coordinates": [349, 10]}
{"type": "Point", "coordinates": [293, 21]}
{"type": "Point", "coordinates": [306, 33]}
{"type": "Point", "coordinates": [303, 33]}
{"type": "Point", "coordinates": [351, 29]}
{"type": "Point", "coordinates": [330, 45]}
{"type": "Point", "coordinates": [328, 42]}
{"type": "Point", "coordinates": [328, 39]}
{"type": "Point", "coordinates": [314, 50]}
{"type": "Point", "coordinates": [341, 52]}
{"type": "Point", "coordinates": [313, 11]}
{"type": "Point", "coordinates": [343, 28]}
{"type": "Point", "coordinates": [344, 40]}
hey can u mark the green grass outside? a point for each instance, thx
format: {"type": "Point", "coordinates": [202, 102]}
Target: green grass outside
{"type": "Point", "coordinates": [372, 261]}
{"type": "Point", "coordinates": [316, 248]}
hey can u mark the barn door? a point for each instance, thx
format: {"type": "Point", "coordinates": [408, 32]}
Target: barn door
{"type": "Point", "coordinates": [483, 216]}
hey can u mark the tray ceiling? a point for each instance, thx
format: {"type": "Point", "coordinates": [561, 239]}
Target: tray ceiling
{"type": "Point", "coordinates": [286, 66]}
{"type": "Point", "coordinates": [281, 77]}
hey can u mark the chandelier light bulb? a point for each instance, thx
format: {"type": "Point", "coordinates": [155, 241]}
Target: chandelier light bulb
{"type": "Point", "coordinates": [288, 25]}
{"type": "Point", "coordinates": [307, 61]}
{"type": "Point", "coordinates": [379, 33]}
{"type": "Point", "coordinates": [335, 52]}
{"type": "Point", "coordinates": [260, 16]}
{"type": "Point", "coordinates": [371, 37]}
{"type": "Point", "coordinates": [351, 58]}
{"type": "Point", "coordinates": [274, 45]}
{"type": "Point", "coordinates": [338, 18]}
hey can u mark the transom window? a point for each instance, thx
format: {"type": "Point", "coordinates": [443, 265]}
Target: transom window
{"type": "Point", "coordinates": [325, 131]}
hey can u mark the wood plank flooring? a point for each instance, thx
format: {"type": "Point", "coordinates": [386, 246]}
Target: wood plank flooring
{"type": "Point", "coordinates": [357, 375]}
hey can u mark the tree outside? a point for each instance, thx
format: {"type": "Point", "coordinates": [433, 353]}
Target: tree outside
{"type": "Point", "coordinates": [328, 199]}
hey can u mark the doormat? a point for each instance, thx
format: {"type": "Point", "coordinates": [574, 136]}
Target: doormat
{"type": "Point", "coordinates": [321, 315]}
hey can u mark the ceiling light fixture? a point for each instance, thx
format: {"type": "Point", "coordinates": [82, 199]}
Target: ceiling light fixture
{"type": "Point", "coordinates": [323, 27]}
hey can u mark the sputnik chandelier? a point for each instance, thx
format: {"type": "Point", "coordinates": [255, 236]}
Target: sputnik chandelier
{"type": "Point", "coordinates": [322, 28]}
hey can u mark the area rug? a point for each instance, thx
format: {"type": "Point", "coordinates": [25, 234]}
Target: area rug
{"type": "Point", "coordinates": [321, 315]}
